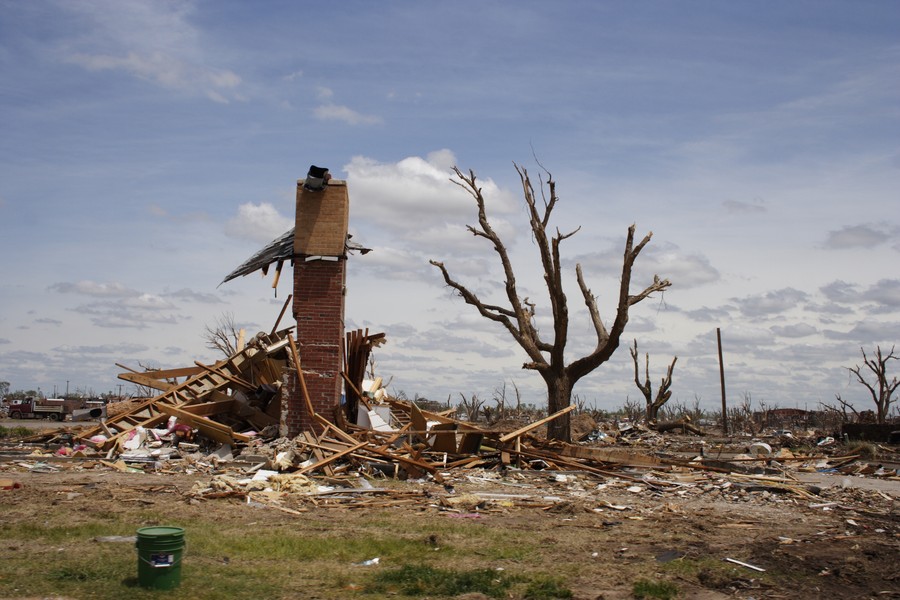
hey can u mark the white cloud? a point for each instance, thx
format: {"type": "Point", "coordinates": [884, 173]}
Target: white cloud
{"type": "Point", "coordinates": [857, 236]}
{"type": "Point", "coordinates": [770, 303]}
{"type": "Point", "coordinates": [841, 291]}
{"type": "Point", "coordinates": [421, 191]}
{"type": "Point", "coordinates": [885, 294]}
{"type": "Point", "coordinates": [194, 296]}
{"type": "Point", "coordinates": [794, 331]}
{"type": "Point", "coordinates": [153, 41]}
{"type": "Point", "coordinates": [260, 223]}
{"type": "Point", "coordinates": [93, 288]}
{"type": "Point", "coordinates": [336, 112]}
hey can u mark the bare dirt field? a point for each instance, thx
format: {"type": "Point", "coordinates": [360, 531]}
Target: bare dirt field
{"type": "Point", "coordinates": [597, 536]}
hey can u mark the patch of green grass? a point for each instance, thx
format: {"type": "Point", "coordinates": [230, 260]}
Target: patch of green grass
{"type": "Point", "coordinates": [546, 588]}
{"type": "Point", "coordinates": [645, 588]}
{"type": "Point", "coordinates": [14, 432]}
{"type": "Point", "coordinates": [60, 554]}
{"type": "Point", "coordinates": [82, 572]}
{"type": "Point", "coordinates": [422, 580]}
{"type": "Point", "coordinates": [427, 581]}
{"type": "Point", "coordinates": [56, 534]}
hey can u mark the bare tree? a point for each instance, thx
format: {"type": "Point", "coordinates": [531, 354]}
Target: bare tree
{"type": "Point", "coordinates": [663, 393]}
{"type": "Point", "coordinates": [631, 409]}
{"type": "Point", "coordinates": [842, 411]}
{"type": "Point", "coordinates": [548, 357]}
{"type": "Point", "coordinates": [882, 390]}
{"type": "Point", "coordinates": [471, 408]}
{"type": "Point", "coordinates": [224, 336]}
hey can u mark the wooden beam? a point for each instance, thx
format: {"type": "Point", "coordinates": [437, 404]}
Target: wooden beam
{"type": "Point", "coordinates": [211, 429]}
{"type": "Point", "coordinates": [281, 314]}
{"type": "Point", "coordinates": [330, 459]}
{"type": "Point", "coordinates": [296, 357]}
{"type": "Point", "coordinates": [536, 424]}
{"type": "Point", "coordinates": [210, 408]}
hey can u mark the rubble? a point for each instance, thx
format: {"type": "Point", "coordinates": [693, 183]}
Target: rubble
{"type": "Point", "coordinates": [222, 423]}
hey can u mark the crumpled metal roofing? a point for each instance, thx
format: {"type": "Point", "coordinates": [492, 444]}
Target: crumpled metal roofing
{"type": "Point", "coordinates": [280, 249]}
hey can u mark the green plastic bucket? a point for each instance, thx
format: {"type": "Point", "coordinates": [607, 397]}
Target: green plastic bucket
{"type": "Point", "coordinates": [160, 550]}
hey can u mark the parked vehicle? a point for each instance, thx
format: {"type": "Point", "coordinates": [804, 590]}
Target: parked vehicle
{"type": "Point", "coordinates": [30, 408]}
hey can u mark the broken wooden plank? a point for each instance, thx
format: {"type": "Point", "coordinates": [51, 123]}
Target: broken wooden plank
{"type": "Point", "coordinates": [523, 430]}
{"type": "Point", "coordinates": [330, 459]}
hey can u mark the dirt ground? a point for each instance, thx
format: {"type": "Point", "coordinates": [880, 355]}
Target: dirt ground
{"type": "Point", "coordinates": [843, 542]}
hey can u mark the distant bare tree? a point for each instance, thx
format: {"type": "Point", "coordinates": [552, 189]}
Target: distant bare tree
{"type": "Point", "coordinates": [224, 336]}
{"type": "Point", "coordinates": [518, 318]}
{"type": "Point", "coordinates": [580, 404]}
{"type": "Point", "coordinates": [663, 393]}
{"type": "Point", "coordinates": [741, 416]}
{"type": "Point", "coordinates": [841, 409]}
{"type": "Point", "coordinates": [882, 390]}
{"type": "Point", "coordinates": [632, 409]}
{"type": "Point", "coordinates": [471, 408]}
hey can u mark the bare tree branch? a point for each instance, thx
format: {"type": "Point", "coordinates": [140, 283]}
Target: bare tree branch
{"type": "Point", "coordinates": [223, 336]}
{"type": "Point", "coordinates": [518, 318]}
{"type": "Point", "coordinates": [663, 393]}
{"type": "Point", "coordinates": [882, 390]}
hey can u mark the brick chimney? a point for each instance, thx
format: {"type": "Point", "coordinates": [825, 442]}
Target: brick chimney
{"type": "Point", "coordinates": [320, 261]}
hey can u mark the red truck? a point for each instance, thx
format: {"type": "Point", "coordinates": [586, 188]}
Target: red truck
{"type": "Point", "coordinates": [29, 408]}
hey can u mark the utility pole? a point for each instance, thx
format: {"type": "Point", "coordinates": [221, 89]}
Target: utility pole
{"type": "Point", "coordinates": [67, 389]}
{"type": "Point", "coordinates": [722, 382]}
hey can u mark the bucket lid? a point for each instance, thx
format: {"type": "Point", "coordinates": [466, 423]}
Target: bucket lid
{"type": "Point", "coordinates": [160, 531]}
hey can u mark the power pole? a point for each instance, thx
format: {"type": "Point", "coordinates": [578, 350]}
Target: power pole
{"type": "Point", "coordinates": [722, 382]}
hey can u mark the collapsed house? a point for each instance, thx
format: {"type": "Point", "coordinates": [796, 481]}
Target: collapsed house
{"type": "Point", "coordinates": [309, 388]}
{"type": "Point", "coordinates": [299, 402]}
{"type": "Point", "coordinates": [263, 384]}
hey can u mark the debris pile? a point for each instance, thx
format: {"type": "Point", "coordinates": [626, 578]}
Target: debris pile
{"type": "Point", "coordinates": [224, 421]}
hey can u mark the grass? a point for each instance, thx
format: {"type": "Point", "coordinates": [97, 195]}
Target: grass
{"type": "Point", "coordinates": [14, 432]}
{"type": "Point", "coordinates": [60, 557]}
{"type": "Point", "coordinates": [646, 588]}
{"type": "Point", "coordinates": [425, 581]}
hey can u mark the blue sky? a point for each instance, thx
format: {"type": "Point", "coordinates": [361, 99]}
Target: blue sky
{"type": "Point", "coordinates": [148, 148]}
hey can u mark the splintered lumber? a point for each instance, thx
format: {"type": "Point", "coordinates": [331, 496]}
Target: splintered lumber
{"type": "Point", "coordinates": [206, 409]}
{"type": "Point", "coordinates": [357, 347]}
{"type": "Point", "coordinates": [359, 395]}
{"type": "Point", "coordinates": [211, 429]}
{"type": "Point", "coordinates": [208, 384]}
{"type": "Point", "coordinates": [616, 456]}
{"type": "Point", "coordinates": [681, 424]}
{"type": "Point", "coordinates": [296, 357]}
{"type": "Point", "coordinates": [281, 314]}
{"type": "Point", "coordinates": [409, 462]}
{"type": "Point", "coordinates": [160, 379]}
{"type": "Point", "coordinates": [330, 459]}
{"type": "Point", "coordinates": [568, 463]}
{"type": "Point", "coordinates": [523, 430]}
{"type": "Point", "coordinates": [420, 417]}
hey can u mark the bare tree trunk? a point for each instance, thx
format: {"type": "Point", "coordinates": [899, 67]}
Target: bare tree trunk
{"type": "Point", "coordinates": [662, 394]}
{"type": "Point", "coordinates": [518, 316]}
{"type": "Point", "coordinates": [883, 395]}
{"type": "Point", "coordinates": [559, 397]}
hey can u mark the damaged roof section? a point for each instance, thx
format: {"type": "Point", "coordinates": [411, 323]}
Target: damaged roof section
{"type": "Point", "coordinates": [279, 251]}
